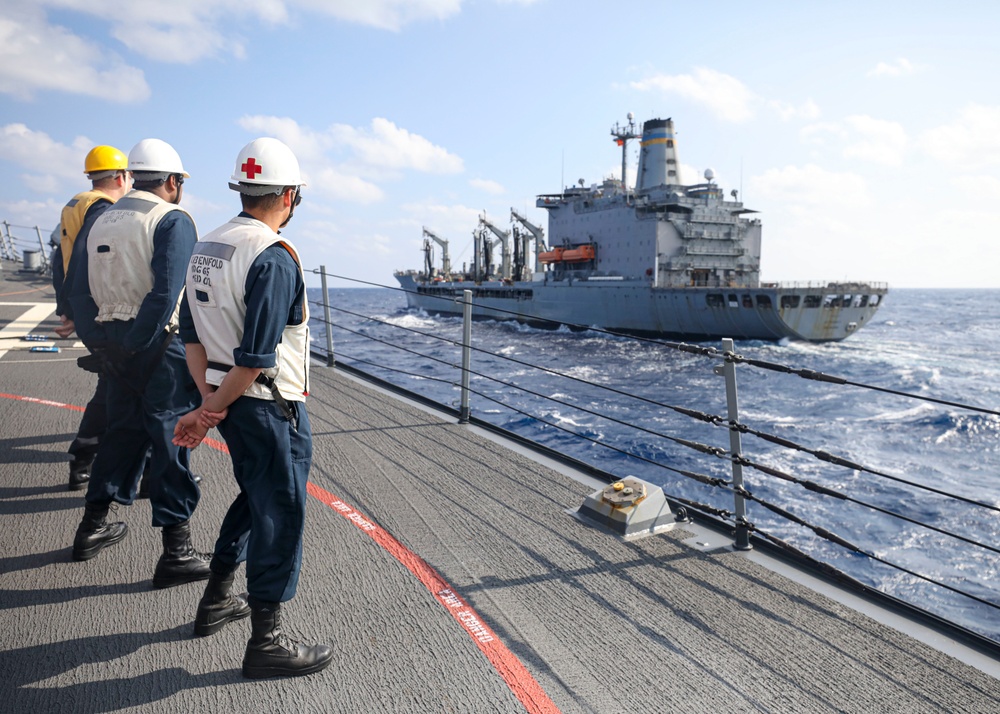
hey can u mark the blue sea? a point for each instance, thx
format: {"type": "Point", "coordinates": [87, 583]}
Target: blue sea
{"type": "Point", "coordinates": [572, 391]}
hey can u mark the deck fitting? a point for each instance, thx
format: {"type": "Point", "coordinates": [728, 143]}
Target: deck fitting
{"type": "Point", "coordinates": [631, 508]}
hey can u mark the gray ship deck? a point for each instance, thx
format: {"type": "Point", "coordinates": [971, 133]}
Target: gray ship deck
{"type": "Point", "coordinates": [421, 505]}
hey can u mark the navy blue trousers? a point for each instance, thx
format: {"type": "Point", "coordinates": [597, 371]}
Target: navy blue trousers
{"type": "Point", "coordinates": [143, 408]}
{"type": "Point", "coordinates": [264, 524]}
{"type": "Point", "coordinates": [92, 426]}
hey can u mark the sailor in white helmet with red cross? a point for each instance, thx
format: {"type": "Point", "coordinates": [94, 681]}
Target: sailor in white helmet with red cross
{"type": "Point", "coordinates": [245, 325]}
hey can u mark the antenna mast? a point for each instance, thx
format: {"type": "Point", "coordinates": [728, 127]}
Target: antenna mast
{"type": "Point", "coordinates": [622, 135]}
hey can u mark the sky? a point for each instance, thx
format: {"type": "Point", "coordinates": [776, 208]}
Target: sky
{"type": "Point", "coordinates": [866, 134]}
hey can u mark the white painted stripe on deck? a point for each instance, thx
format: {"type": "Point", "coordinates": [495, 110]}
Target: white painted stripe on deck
{"type": "Point", "coordinates": [26, 322]}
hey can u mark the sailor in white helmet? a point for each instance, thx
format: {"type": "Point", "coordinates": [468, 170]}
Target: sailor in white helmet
{"type": "Point", "coordinates": [125, 300]}
{"type": "Point", "coordinates": [245, 321]}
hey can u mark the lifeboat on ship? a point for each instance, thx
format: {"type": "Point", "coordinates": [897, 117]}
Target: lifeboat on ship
{"type": "Point", "coordinates": [551, 256]}
{"type": "Point", "coordinates": [576, 254]}
{"type": "Point", "coordinates": [579, 254]}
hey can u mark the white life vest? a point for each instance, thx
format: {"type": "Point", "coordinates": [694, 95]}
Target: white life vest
{"type": "Point", "coordinates": [71, 220]}
{"type": "Point", "coordinates": [120, 255]}
{"type": "Point", "coordinates": [215, 287]}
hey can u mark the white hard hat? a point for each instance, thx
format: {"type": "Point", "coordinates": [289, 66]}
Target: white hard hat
{"type": "Point", "coordinates": [265, 166]}
{"type": "Point", "coordinates": [154, 156]}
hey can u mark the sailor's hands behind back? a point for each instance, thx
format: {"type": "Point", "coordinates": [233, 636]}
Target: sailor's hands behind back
{"type": "Point", "coordinates": [190, 430]}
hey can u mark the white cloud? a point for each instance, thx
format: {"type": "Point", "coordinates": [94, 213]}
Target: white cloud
{"type": "Point", "coordinates": [821, 133]}
{"type": "Point", "coordinates": [39, 152]}
{"type": "Point", "coordinates": [724, 95]}
{"type": "Point", "coordinates": [491, 187]}
{"type": "Point", "coordinates": [861, 137]}
{"type": "Point", "coordinates": [881, 142]}
{"type": "Point", "coordinates": [384, 14]}
{"type": "Point", "coordinates": [44, 214]}
{"type": "Point", "coordinates": [29, 62]}
{"type": "Point", "coordinates": [454, 221]}
{"type": "Point", "coordinates": [345, 187]}
{"type": "Point", "coordinates": [181, 31]}
{"type": "Point", "coordinates": [388, 146]}
{"type": "Point", "coordinates": [980, 188]}
{"type": "Point", "coordinates": [810, 185]}
{"type": "Point", "coordinates": [381, 152]}
{"type": "Point", "coordinates": [38, 55]}
{"type": "Point", "coordinates": [787, 111]}
{"type": "Point", "coordinates": [900, 67]}
{"type": "Point", "coordinates": [972, 141]}
{"type": "Point", "coordinates": [50, 165]}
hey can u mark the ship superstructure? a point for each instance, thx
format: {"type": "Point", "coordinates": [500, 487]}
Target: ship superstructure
{"type": "Point", "coordinates": [665, 259]}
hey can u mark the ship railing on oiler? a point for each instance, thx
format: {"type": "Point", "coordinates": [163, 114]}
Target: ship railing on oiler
{"type": "Point", "coordinates": [360, 336]}
{"type": "Point", "coordinates": [25, 245]}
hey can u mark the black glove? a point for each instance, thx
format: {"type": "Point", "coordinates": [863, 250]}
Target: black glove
{"type": "Point", "coordinates": [111, 358]}
{"type": "Point", "coordinates": [91, 363]}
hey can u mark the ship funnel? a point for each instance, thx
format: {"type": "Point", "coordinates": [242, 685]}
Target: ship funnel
{"type": "Point", "coordinates": [657, 155]}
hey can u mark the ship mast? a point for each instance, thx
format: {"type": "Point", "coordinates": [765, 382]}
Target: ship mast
{"type": "Point", "coordinates": [622, 135]}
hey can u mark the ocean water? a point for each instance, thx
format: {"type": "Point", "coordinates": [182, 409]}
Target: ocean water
{"type": "Point", "coordinates": [577, 392]}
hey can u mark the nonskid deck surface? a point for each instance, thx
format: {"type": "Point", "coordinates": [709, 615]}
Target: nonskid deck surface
{"type": "Point", "coordinates": [445, 570]}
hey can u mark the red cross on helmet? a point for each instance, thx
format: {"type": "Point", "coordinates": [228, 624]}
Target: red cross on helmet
{"type": "Point", "coordinates": [264, 166]}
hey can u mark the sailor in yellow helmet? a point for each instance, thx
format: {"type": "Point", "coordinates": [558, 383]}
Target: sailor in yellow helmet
{"type": "Point", "coordinates": [107, 169]}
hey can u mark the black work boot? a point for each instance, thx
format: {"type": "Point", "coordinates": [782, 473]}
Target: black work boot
{"type": "Point", "coordinates": [271, 653]}
{"type": "Point", "coordinates": [218, 605]}
{"type": "Point", "coordinates": [79, 474]}
{"type": "Point", "coordinates": [94, 532]}
{"type": "Point", "coordinates": [180, 562]}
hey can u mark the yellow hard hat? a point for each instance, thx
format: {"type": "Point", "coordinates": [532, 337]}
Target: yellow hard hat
{"type": "Point", "coordinates": [105, 158]}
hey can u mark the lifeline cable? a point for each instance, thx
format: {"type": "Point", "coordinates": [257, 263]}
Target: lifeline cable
{"type": "Point", "coordinates": [834, 538]}
{"type": "Point", "coordinates": [715, 420]}
{"type": "Point", "coordinates": [705, 351]}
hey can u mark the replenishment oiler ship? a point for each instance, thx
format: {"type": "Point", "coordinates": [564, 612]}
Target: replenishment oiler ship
{"type": "Point", "coordinates": [664, 260]}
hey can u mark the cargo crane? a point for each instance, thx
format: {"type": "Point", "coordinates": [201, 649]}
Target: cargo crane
{"type": "Point", "coordinates": [503, 238]}
{"type": "Point", "coordinates": [445, 259]}
{"type": "Point", "coordinates": [536, 231]}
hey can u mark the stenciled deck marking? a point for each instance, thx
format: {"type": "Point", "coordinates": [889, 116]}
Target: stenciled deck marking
{"type": "Point", "coordinates": [517, 677]}
{"type": "Point", "coordinates": [505, 662]}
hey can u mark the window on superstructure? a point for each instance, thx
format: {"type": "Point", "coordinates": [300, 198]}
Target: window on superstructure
{"type": "Point", "coordinates": [812, 301]}
{"type": "Point", "coordinates": [733, 302]}
{"type": "Point", "coordinates": [747, 301]}
{"type": "Point", "coordinates": [764, 302]}
{"type": "Point", "coordinates": [790, 301]}
{"type": "Point", "coordinates": [715, 300]}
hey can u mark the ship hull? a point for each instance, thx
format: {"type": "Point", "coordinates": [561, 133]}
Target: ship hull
{"type": "Point", "coordinates": [772, 313]}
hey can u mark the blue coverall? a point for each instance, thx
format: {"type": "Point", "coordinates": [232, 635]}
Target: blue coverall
{"type": "Point", "coordinates": [144, 404]}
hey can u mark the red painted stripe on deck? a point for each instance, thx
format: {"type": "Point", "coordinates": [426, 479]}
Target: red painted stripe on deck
{"type": "Point", "coordinates": [46, 402]}
{"type": "Point", "coordinates": [528, 691]}
{"type": "Point", "coordinates": [506, 663]}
